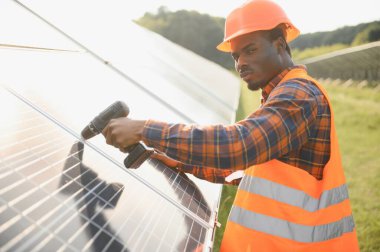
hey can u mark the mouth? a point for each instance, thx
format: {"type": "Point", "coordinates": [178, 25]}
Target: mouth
{"type": "Point", "coordinates": [244, 75]}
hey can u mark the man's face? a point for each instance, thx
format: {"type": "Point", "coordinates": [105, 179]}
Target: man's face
{"type": "Point", "coordinates": [257, 59]}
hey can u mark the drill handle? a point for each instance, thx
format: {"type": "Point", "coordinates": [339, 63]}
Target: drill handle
{"type": "Point", "coordinates": [138, 153]}
{"type": "Point", "coordinates": [129, 149]}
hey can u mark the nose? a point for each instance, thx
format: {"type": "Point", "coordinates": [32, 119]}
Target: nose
{"type": "Point", "coordinates": [241, 67]}
{"type": "Point", "coordinates": [241, 64]}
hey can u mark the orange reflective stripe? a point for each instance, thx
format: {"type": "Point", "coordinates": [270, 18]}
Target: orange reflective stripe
{"type": "Point", "coordinates": [260, 204]}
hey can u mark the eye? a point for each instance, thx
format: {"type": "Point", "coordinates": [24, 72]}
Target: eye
{"type": "Point", "coordinates": [250, 51]}
{"type": "Point", "coordinates": [235, 57]}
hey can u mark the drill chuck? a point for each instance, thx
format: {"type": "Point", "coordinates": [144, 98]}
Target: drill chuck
{"type": "Point", "coordinates": [96, 126]}
{"type": "Point", "coordinates": [138, 153]}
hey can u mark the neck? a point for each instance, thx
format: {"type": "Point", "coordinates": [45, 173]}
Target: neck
{"type": "Point", "coordinates": [287, 62]}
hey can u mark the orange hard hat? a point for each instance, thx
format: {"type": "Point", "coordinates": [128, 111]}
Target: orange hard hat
{"type": "Point", "coordinates": [255, 15]}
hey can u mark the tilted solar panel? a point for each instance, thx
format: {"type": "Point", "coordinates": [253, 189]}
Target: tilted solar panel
{"type": "Point", "coordinates": [152, 60]}
{"type": "Point", "coordinates": [60, 194]}
{"type": "Point", "coordinates": [57, 194]}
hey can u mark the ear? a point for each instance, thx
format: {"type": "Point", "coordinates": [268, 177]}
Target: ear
{"type": "Point", "coordinates": [280, 45]}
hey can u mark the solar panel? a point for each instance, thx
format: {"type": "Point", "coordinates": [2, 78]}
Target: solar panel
{"type": "Point", "coordinates": [60, 194]}
{"type": "Point", "coordinates": [24, 29]}
{"type": "Point", "coordinates": [147, 57]}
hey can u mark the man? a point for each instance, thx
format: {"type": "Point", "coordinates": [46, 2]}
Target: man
{"type": "Point", "coordinates": [293, 196]}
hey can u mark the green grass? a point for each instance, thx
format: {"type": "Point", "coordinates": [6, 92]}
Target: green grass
{"type": "Point", "coordinates": [358, 127]}
{"type": "Point", "coordinates": [357, 119]}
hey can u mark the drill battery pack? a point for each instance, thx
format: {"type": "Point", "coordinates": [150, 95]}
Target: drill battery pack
{"type": "Point", "coordinates": [138, 154]}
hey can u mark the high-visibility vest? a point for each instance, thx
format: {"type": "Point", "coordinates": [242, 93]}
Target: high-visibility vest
{"type": "Point", "coordinates": [279, 207]}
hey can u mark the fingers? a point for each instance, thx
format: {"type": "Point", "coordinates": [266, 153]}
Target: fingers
{"type": "Point", "coordinates": [165, 159]}
{"type": "Point", "coordinates": [118, 133]}
{"type": "Point", "coordinates": [104, 131]}
{"type": "Point", "coordinates": [110, 132]}
{"type": "Point", "coordinates": [123, 150]}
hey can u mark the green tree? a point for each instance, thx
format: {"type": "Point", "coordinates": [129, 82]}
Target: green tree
{"type": "Point", "coordinates": [345, 35]}
{"type": "Point", "coordinates": [197, 32]}
{"type": "Point", "coordinates": [369, 34]}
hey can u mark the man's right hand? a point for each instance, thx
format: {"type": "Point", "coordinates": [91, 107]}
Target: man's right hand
{"type": "Point", "coordinates": [123, 132]}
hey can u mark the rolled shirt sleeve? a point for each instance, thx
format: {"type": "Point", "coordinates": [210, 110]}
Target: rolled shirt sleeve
{"type": "Point", "coordinates": [282, 124]}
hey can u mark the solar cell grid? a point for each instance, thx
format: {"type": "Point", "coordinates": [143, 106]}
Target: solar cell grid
{"type": "Point", "coordinates": [51, 200]}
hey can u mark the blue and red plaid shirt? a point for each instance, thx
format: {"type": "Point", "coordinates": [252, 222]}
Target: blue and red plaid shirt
{"type": "Point", "coordinates": [291, 125]}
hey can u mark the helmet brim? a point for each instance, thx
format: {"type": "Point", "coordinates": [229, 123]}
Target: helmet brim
{"type": "Point", "coordinates": [291, 33]}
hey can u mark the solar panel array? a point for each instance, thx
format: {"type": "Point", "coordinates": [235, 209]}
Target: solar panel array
{"type": "Point", "coordinates": [60, 194]}
{"type": "Point", "coordinates": [359, 63]}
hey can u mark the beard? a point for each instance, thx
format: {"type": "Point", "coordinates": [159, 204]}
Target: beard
{"type": "Point", "coordinates": [255, 85]}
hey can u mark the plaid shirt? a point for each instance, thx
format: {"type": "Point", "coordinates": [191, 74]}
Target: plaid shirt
{"type": "Point", "coordinates": [291, 125]}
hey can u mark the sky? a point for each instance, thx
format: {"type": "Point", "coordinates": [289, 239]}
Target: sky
{"type": "Point", "coordinates": [308, 16]}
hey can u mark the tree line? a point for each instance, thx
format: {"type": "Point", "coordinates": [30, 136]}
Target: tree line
{"type": "Point", "coordinates": [201, 33]}
{"type": "Point", "coordinates": [348, 35]}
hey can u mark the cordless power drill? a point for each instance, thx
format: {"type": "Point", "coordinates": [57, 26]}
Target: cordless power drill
{"type": "Point", "coordinates": [138, 153]}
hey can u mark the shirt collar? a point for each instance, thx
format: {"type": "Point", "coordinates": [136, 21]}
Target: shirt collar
{"type": "Point", "coordinates": [265, 91]}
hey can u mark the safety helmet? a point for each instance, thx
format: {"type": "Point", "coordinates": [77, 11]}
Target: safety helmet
{"type": "Point", "coordinates": [255, 15]}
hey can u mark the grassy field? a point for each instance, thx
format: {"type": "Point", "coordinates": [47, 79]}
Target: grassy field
{"type": "Point", "coordinates": [357, 117]}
